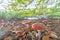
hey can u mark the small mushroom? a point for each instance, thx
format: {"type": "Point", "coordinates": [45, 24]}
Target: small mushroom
{"type": "Point", "coordinates": [27, 22]}
{"type": "Point", "coordinates": [38, 27]}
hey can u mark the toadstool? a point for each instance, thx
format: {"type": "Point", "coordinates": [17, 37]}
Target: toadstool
{"type": "Point", "coordinates": [38, 27]}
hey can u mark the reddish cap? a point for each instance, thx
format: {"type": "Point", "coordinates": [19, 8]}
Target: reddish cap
{"type": "Point", "coordinates": [27, 22]}
{"type": "Point", "coordinates": [37, 26]}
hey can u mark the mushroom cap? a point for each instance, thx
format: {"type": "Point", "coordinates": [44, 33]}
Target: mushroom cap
{"type": "Point", "coordinates": [38, 26]}
{"type": "Point", "coordinates": [27, 22]}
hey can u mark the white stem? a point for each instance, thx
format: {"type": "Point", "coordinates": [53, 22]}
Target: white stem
{"type": "Point", "coordinates": [39, 34]}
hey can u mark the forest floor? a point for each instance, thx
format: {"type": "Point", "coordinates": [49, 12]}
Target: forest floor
{"type": "Point", "coordinates": [50, 22]}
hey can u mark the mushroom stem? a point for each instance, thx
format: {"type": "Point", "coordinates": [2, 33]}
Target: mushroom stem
{"type": "Point", "coordinates": [39, 34]}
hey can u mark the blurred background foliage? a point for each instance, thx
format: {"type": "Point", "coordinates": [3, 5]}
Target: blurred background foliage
{"type": "Point", "coordinates": [29, 8]}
